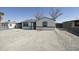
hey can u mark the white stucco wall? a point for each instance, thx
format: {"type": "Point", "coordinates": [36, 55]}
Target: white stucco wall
{"type": "Point", "coordinates": [39, 24]}
{"type": "Point", "coordinates": [50, 23]}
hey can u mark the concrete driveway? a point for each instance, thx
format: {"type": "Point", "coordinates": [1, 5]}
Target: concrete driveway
{"type": "Point", "coordinates": [34, 40]}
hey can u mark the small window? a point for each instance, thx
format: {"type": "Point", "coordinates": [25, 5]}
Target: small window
{"type": "Point", "coordinates": [44, 24]}
{"type": "Point", "coordinates": [76, 23]}
{"type": "Point", "coordinates": [25, 24]}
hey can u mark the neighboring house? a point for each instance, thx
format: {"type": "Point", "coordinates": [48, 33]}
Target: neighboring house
{"type": "Point", "coordinates": [11, 25]}
{"type": "Point", "coordinates": [71, 24]}
{"type": "Point", "coordinates": [3, 26]}
{"type": "Point", "coordinates": [7, 25]}
{"type": "Point", "coordinates": [42, 24]}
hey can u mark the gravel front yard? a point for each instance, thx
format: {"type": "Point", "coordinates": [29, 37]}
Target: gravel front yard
{"type": "Point", "coordinates": [33, 40]}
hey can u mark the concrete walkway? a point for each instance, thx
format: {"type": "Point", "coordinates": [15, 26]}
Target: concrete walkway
{"type": "Point", "coordinates": [33, 40]}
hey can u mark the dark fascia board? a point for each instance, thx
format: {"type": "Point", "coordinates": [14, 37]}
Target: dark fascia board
{"type": "Point", "coordinates": [70, 21]}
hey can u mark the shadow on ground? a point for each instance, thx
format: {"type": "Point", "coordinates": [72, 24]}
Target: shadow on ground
{"type": "Point", "coordinates": [74, 31]}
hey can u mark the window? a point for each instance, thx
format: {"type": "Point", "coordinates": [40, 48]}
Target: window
{"type": "Point", "coordinates": [76, 23]}
{"type": "Point", "coordinates": [25, 24]}
{"type": "Point", "coordinates": [44, 24]}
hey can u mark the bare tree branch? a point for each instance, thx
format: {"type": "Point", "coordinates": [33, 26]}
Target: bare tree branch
{"type": "Point", "coordinates": [39, 16]}
{"type": "Point", "coordinates": [55, 13]}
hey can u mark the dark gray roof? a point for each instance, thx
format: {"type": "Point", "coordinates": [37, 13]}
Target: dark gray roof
{"type": "Point", "coordinates": [9, 22]}
{"type": "Point", "coordinates": [70, 21]}
{"type": "Point", "coordinates": [31, 20]}
{"type": "Point", "coordinates": [34, 20]}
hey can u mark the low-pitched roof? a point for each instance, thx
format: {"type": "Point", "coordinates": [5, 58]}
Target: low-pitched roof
{"type": "Point", "coordinates": [34, 20]}
{"type": "Point", "coordinates": [9, 22]}
{"type": "Point", "coordinates": [70, 21]}
{"type": "Point", "coordinates": [30, 20]}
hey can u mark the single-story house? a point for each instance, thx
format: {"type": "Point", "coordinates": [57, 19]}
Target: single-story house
{"type": "Point", "coordinates": [7, 25]}
{"type": "Point", "coordinates": [11, 25]}
{"type": "Point", "coordinates": [71, 24]}
{"type": "Point", "coordinates": [42, 24]}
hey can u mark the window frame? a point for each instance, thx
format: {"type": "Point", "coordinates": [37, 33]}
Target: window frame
{"type": "Point", "coordinates": [44, 24]}
{"type": "Point", "coordinates": [25, 24]}
{"type": "Point", "coordinates": [77, 23]}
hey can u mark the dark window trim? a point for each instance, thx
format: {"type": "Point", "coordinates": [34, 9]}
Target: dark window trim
{"type": "Point", "coordinates": [77, 23]}
{"type": "Point", "coordinates": [44, 24]}
{"type": "Point", "coordinates": [25, 24]}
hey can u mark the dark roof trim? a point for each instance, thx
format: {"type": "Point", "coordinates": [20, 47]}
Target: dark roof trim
{"type": "Point", "coordinates": [70, 21]}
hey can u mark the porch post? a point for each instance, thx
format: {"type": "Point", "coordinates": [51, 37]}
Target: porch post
{"type": "Point", "coordinates": [22, 25]}
{"type": "Point", "coordinates": [31, 25]}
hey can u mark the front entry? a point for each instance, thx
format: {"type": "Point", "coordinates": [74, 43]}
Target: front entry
{"type": "Point", "coordinates": [34, 25]}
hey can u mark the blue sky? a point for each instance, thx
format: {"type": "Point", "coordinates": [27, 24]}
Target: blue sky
{"type": "Point", "coordinates": [24, 13]}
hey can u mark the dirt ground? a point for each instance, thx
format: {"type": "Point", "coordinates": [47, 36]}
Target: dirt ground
{"type": "Point", "coordinates": [36, 40]}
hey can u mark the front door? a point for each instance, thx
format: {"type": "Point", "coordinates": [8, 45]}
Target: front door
{"type": "Point", "coordinates": [34, 25]}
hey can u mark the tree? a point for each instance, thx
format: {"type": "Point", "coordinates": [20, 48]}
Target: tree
{"type": "Point", "coordinates": [1, 14]}
{"type": "Point", "coordinates": [39, 16]}
{"type": "Point", "coordinates": [55, 13]}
